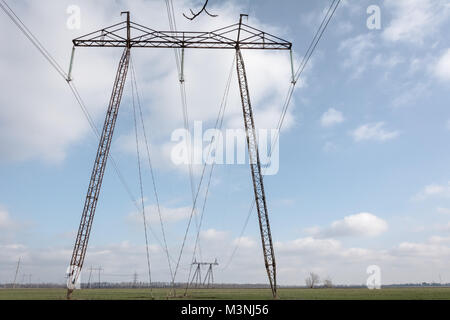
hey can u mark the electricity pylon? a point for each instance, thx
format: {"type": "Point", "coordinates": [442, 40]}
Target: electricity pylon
{"type": "Point", "coordinates": [129, 35]}
{"type": "Point", "coordinates": [197, 277]}
{"type": "Point", "coordinates": [209, 277]}
{"type": "Point", "coordinates": [89, 280]}
{"type": "Point", "coordinates": [135, 279]}
{"type": "Point", "coordinates": [17, 272]}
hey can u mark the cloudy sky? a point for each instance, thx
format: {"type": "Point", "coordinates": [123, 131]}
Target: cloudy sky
{"type": "Point", "coordinates": [363, 158]}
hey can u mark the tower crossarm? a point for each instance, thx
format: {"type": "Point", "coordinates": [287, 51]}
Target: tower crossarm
{"type": "Point", "coordinates": [144, 37]}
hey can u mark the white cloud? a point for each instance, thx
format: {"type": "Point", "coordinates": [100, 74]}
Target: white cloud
{"type": "Point", "coordinates": [245, 242]}
{"type": "Point", "coordinates": [344, 27]}
{"type": "Point", "coordinates": [45, 122]}
{"type": "Point", "coordinates": [329, 147]}
{"type": "Point", "coordinates": [445, 227]}
{"type": "Point", "coordinates": [213, 234]}
{"type": "Point", "coordinates": [442, 67]}
{"type": "Point", "coordinates": [410, 92]}
{"type": "Point", "coordinates": [387, 61]}
{"type": "Point", "coordinates": [169, 215]}
{"type": "Point", "coordinates": [361, 224]}
{"type": "Point", "coordinates": [331, 117]}
{"type": "Point", "coordinates": [361, 52]}
{"type": "Point", "coordinates": [10, 254]}
{"type": "Point", "coordinates": [52, 128]}
{"type": "Point", "coordinates": [9, 226]}
{"type": "Point", "coordinates": [433, 248]}
{"type": "Point", "coordinates": [358, 51]}
{"type": "Point", "coordinates": [439, 240]}
{"type": "Point", "coordinates": [373, 131]}
{"type": "Point", "coordinates": [5, 220]}
{"type": "Point", "coordinates": [206, 72]}
{"type": "Point", "coordinates": [13, 228]}
{"type": "Point", "coordinates": [39, 118]}
{"type": "Point", "coordinates": [443, 210]}
{"type": "Point", "coordinates": [309, 244]}
{"type": "Point", "coordinates": [405, 262]}
{"type": "Point", "coordinates": [433, 190]}
{"type": "Point", "coordinates": [414, 20]}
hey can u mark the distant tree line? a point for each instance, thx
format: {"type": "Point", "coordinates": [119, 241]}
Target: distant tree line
{"type": "Point", "coordinates": [327, 283]}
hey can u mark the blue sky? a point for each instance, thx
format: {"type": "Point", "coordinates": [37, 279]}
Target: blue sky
{"type": "Point", "coordinates": [363, 164]}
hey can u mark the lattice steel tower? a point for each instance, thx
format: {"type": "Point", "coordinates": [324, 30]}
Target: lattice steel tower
{"type": "Point", "coordinates": [129, 35]}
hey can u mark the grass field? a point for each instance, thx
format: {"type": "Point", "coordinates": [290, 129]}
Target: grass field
{"type": "Point", "coordinates": [232, 294]}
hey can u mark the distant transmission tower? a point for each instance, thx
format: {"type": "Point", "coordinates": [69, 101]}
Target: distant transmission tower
{"type": "Point", "coordinates": [89, 281]}
{"type": "Point", "coordinates": [197, 277]}
{"type": "Point", "coordinates": [26, 276]}
{"type": "Point", "coordinates": [135, 279]}
{"type": "Point", "coordinates": [100, 269]}
{"type": "Point", "coordinates": [209, 275]}
{"type": "Point", "coordinates": [17, 272]}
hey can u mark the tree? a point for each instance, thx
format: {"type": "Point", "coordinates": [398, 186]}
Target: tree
{"type": "Point", "coordinates": [312, 280]}
{"type": "Point", "coordinates": [327, 283]}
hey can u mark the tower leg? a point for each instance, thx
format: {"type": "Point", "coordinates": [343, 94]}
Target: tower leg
{"type": "Point", "coordinates": [98, 171]}
{"type": "Point", "coordinates": [255, 166]}
{"type": "Point", "coordinates": [69, 293]}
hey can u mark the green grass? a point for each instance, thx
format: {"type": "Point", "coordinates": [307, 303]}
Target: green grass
{"type": "Point", "coordinates": [231, 294]}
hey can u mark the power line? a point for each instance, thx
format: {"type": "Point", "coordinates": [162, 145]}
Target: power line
{"type": "Point", "coordinates": [199, 186]}
{"type": "Point", "coordinates": [133, 77]}
{"type": "Point", "coordinates": [33, 39]}
{"type": "Point", "coordinates": [218, 125]}
{"type": "Point", "coordinates": [326, 20]}
{"type": "Point", "coordinates": [220, 115]}
{"type": "Point", "coordinates": [133, 89]}
{"type": "Point", "coordinates": [113, 161]}
{"type": "Point", "coordinates": [16, 20]}
{"type": "Point", "coordinates": [240, 236]}
{"type": "Point", "coordinates": [180, 65]}
{"type": "Point", "coordinates": [184, 107]}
